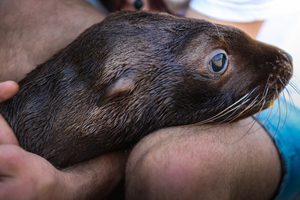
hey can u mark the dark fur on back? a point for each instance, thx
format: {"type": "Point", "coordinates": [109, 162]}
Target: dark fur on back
{"type": "Point", "coordinates": [134, 73]}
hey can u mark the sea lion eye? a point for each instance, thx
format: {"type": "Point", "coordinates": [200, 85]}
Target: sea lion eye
{"type": "Point", "coordinates": [218, 61]}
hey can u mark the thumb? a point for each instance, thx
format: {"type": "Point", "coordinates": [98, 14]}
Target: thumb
{"type": "Point", "coordinates": [7, 90]}
{"type": "Point", "coordinates": [7, 136]}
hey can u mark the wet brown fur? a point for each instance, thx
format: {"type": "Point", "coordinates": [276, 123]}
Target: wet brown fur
{"type": "Point", "coordinates": [134, 73]}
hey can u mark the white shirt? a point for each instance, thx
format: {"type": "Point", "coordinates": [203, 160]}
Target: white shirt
{"type": "Point", "coordinates": [244, 10]}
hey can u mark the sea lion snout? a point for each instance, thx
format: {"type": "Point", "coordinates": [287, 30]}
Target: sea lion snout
{"type": "Point", "coordinates": [280, 71]}
{"type": "Point", "coordinates": [288, 56]}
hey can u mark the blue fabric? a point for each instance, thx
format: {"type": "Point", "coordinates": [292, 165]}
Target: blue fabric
{"type": "Point", "coordinates": [283, 125]}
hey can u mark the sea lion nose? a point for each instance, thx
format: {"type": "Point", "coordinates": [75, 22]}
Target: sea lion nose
{"type": "Point", "coordinates": [287, 56]}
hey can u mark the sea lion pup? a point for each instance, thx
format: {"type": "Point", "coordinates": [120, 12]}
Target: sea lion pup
{"type": "Point", "coordinates": [137, 72]}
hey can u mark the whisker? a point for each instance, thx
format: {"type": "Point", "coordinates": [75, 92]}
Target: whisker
{"type": "Point", "coordinates": [295, 76]}
{"type": "Point", "coordinates": [270, 111]}
{"type": "Point", "coordinates": [289, 98]}
{"type": "Point", "coordinates": [263, 102]}
{"type": "Point", "coordinates": [222, 113]}
{"type": "Point", "coordinates": [229, 109]}
{"type": "Point", "coordinates": [219, 35]}
{"type": "Point", "coordinates": [226, 111]}
{"type": "Point", "coordinates": [279, 109]}
{"type": "Point", "coordinates": [263, 99]}
{"type": "Point", "coordinates": [286, 89]}
{"type": "Point", "coordinates": [286, 107]}
{"type": "Point", "coordinates": [253, 123]}
{"type": "Point", "coordinates": [295, 87]}
{"type": "Point", "coordinates": [232, 117]}
{"type": "Point", "coordinates": [242, 103]}
{"type": "Point", "coordinates": [251, 105]}
{"type": "Point", "coordinates": [289, 72]}
{"type": "Point", "coordinates": [269, 115]}
{"type": "Point", "coordinates": [284, 85]}
{"type": "Point", "coordinates": [266, 90]}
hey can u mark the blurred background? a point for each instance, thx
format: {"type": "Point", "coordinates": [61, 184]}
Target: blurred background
{"type": "Point", "coordinates": [284, 32]}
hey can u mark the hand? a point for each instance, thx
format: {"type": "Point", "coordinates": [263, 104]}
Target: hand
{"type": "Point", "coordinates": [20, 171]}
{"type": "Point", "coordinates": [24, 175]}
{"type": "Point", "coordinates": [7, 90]}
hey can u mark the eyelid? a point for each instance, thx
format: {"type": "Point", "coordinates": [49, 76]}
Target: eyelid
{"type": "Point", "coordinates": [212, 55]}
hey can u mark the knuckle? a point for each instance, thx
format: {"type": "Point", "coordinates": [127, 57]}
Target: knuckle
{"type": "Point", "coordinates": [11, 154]}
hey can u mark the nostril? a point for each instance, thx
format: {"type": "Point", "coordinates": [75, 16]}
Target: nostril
{"type": "Point", "coordinates": [288, 56]}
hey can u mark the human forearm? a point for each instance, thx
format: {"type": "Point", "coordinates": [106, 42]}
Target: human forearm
{"type": "Point", "coordinates": [27, 176]}
{"type": "Point", "coordinates": [94, 179]}
{"type": "Point", "coordinates": [32, 31]}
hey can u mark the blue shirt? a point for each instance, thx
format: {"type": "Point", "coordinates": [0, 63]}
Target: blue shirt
{"type": "Point", "coordinates": [282, 122]}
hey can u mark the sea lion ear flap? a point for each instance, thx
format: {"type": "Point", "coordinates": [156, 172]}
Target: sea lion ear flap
{"type": "Point", "coordinates": [121, 86]}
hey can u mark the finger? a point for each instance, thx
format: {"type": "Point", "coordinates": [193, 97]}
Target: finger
{"type": "Point", "coordinates": [11, 158]}
{"type": "Point", "coordinates": [7, 90]}
{"type": "Point", "coordinates": [7, 136]}
{"type": "Point", "coordinates": [16, 162]}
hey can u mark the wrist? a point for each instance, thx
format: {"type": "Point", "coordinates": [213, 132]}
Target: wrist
{"type": "Point", "coordinates": [93, 179]}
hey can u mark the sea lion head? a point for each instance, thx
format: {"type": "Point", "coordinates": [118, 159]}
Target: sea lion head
{"type": "Point", "coordinates": [239, 75]}
{"type": "Point", "coordinates": [180, 71]}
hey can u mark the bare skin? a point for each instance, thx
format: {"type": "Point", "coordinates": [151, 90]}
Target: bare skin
{"type": "Point", "coordinates": [32, 31]}
{"type": "Point", "coordinates": [230, 161]}
{"type": "Point", "coordinates": [220, 162]}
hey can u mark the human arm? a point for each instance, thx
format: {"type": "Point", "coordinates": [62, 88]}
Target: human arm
{"type": "Point", "coordinates": [32, 31]}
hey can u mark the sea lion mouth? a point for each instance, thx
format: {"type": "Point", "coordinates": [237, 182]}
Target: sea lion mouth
{"type": "Point", "coordinates": [251, 103]}
{"type": "Point", "coordinates": [238, 111]}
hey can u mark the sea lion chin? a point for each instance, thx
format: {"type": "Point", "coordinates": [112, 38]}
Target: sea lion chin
{"type": "Point", "coordinates": [137, 72]}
